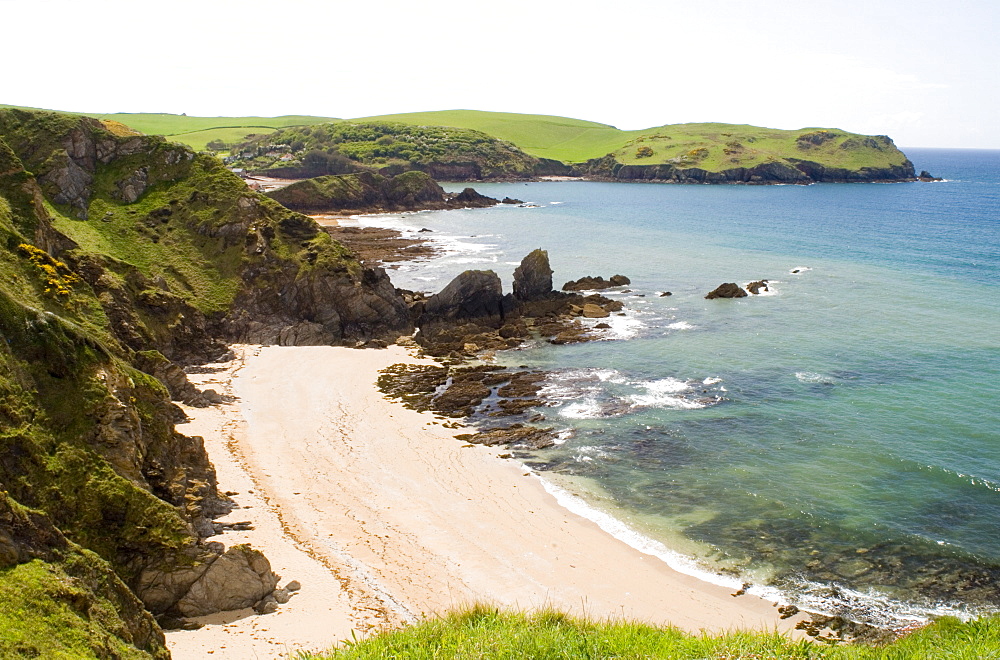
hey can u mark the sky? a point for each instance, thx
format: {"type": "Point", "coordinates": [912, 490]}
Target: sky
{"type": "Point", "coordinates": [925, 73]}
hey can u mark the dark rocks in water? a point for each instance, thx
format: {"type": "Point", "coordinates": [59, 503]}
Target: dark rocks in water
{"type": "Point", "coordinates": [519, 435]}
{"type": "Point", "coordinates": [590, 283]}
{"type": "Point", "coordinates": [470, 198]}
{"type": "Point", "coordinates": [665, 294]}
{"type": "Point", "coordinates": [926, 176]}
{"type": "Point", "coordinates": [511, 200]}
{"type": "Point", "coordinates": [474, 294]}
{"type": "Point", "coordinates": [755, 287]}
{"type": "Point", "coordinates": [727, 290]}
{"type": "Point", "coordinates": [533, 278]}
{"type": "Point", "coordinates": [425, 230]}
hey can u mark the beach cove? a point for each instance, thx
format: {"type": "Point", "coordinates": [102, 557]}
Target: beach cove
{"type": "Point", "coordinates": [385, 518]}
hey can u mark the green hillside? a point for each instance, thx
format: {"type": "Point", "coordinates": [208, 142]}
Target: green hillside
{"type": "Point", "coordinates": [196, 132]}
{"type": "Point", "coordinates": [558, 138]}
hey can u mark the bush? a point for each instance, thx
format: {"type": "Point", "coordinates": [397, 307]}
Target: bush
{"type": "Point", "coordinates": [643, 152]}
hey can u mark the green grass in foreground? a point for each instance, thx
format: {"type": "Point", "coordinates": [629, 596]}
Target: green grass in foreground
{"type": "Point", "coordinates": [482, 632]}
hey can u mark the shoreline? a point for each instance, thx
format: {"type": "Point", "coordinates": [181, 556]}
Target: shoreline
{"type": "Point", "coordinates": [386, 518]}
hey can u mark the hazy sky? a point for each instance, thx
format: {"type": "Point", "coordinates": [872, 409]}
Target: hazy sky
{"type": "Point", "coordinates": [925, 73]}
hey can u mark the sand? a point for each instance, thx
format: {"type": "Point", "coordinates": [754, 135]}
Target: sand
{"type": "Point", "coordinates": [385, 518]}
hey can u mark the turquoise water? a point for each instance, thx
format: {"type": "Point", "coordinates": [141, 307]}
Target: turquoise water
{"type": "Point", "coordinates": [837, 439]}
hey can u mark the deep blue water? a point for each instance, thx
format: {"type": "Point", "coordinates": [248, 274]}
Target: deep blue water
{"type": "Point", "coordinates": [837, 439]}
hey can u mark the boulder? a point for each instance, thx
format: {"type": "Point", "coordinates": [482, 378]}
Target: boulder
{"type": "Point", "coordinates": [619, 280]}
{"type": "Point", "coordinates": [511, 200]}
{"type": "Point", "coordinates": [727, 290]}
{"type": "Point", "coordinates": [533, 278]}
{"type": "Point", "coordinates": [473, 295]}
{"type": "Point", "coordinates": [592, 311]}
{"type": "Point", "coordinates": [926, 176]}
{"type": "Point", "coordinates": [239, 578]}
{"type": "Point", "coordinates": [755, 287]}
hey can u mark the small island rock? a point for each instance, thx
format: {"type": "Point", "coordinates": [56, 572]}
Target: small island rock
{"type": "Point", "coordinates": [727, 290]}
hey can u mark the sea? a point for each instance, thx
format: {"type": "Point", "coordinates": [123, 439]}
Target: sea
{"type": "Point", "coordinates": [833, 442]}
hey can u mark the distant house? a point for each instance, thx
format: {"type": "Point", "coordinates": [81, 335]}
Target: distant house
{"type": "Point", "coordinates": [286, 157]}
{"type": "Point", "coordinates": [239, 171]}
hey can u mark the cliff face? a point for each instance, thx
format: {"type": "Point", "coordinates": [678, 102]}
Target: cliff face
{"type": "Point", "coordinates": [121, 258]}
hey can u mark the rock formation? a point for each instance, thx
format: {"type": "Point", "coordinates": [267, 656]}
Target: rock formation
{"type": "Point", "coordinates": [727, 290]}
{"type": "Point", "coordinates": [533, 277]}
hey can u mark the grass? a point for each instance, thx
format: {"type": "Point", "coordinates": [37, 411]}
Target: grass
{"type": "Point", "coordinates": [486, 633]}
{"type": "Point", "coordinates": [45, 613]}
{"type": "Point", "coordinates": [544, 136]}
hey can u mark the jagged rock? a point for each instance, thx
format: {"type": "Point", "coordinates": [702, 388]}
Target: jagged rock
{"type": "Point", "coordinates": [755, 287]}
{"type": "Point", "coordinates": [665, 294]}
{"type": "Point", "coordinates": [619, 280]}
{"type": "Point", "coordinates": [533, 278]}
{"type": "Point", "coordinates": [727, 290]}
{"type": "Point", "coordinates": [473, 295]}
{"type": "Point", "coordinates": [239, 578]}
{"type": "Point", "coordinates": [926, 176]}
{"type": "Point", "coordinates": [511, 200]}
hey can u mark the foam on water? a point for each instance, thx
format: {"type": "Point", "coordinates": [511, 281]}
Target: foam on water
{"type": "Point", "coordinates": [680, 325]}
{"type": "Point", "coordinates": [813, 377]}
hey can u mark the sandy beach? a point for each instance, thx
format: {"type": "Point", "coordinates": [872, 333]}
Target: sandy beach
{"type": "Point", "coordinates": [385, 518]}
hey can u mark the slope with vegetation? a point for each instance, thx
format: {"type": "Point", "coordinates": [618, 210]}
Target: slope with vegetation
{"type": "Point", "coordinates": [123, 257]}
{"type": "Point", "coordinates": [488, 634]}
{"type": "Point", "coordinates": [344, 147]}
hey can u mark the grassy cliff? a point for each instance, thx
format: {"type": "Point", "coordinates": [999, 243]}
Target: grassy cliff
{"type": "Point", "coordinates": [121, 258]}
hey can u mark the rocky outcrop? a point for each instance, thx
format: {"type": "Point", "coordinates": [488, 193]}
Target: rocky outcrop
{"type": "Point", "coordinates": [755, 287]}
{"type": "Point", "coordinates": [590, 283]}
{"type": "Point", "coordinates": [533, 277]}
{"type": "Point", "coordinates": [473, 296]}
{"type": "Point", "coordinates": [927, 177]}
{"type": "Point", "coordinates": [727, 290]}
{"type": "Point", "coordinates": [469, 198]}
{"type": "Point", "coordinates": [239, 578]}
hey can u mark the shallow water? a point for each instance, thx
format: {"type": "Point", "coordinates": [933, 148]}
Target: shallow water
{"type": "Point", "coordinates": [837, 438]}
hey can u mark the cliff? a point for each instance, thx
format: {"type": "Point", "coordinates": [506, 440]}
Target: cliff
{"type": "Point", "coordinates": [122, 258]}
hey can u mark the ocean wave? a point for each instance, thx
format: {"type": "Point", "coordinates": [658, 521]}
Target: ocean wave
{"type": "Point", "coordinates": [680, 325]}
{"type": "Point", "coordinates": [798, 270]}
{"type": "Point", "coordinates": [668, 393]}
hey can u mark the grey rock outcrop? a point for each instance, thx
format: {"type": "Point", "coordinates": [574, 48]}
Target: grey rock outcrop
{"type": "Point", "coordinates": [237, 579]}
{"type": "Point", "coordinates": [533, 278]}
{"type": "Point", "coordinates": [727, 290]}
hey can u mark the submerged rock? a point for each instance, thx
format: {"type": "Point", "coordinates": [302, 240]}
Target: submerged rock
{"type": "Point", "coordinates": [755, 287]}
{"type": "Point", "coordinates": [591, 283]}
